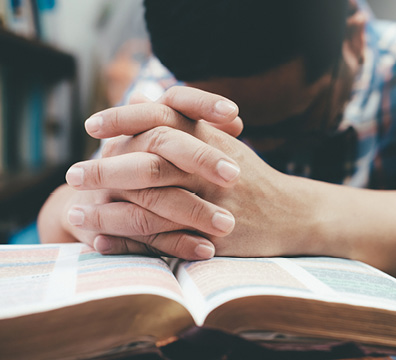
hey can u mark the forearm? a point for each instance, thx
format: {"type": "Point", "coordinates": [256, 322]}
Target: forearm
{"type": "Point", "coordinates": [355, 223]}
{"type": "Point", "coordinates": [51, 220]}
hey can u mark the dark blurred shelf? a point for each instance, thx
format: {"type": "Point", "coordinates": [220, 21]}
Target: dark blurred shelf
{"type": "Point", "coordinates": [23, 193]}
{"type": "Point", "coordinates": [32, 56]}
{"type": "Point", "coordinates": [25, 61]}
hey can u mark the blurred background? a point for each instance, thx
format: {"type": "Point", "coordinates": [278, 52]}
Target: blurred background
{"type": "Point", "coordinates": [384, 9]}
{"type": "Point", "coordinates": [61, 61]}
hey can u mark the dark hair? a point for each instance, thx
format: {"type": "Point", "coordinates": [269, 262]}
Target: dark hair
{"type": "Point", "coordinates": [202, 39]}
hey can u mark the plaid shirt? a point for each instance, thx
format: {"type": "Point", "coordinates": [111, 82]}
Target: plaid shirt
{"type": "Point", "coordinates": [363, 151]}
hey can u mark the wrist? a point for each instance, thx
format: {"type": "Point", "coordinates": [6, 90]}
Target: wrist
{"type": "Point", "coordinates": [324, 222]}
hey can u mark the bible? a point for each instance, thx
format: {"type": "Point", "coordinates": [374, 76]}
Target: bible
{"type": "Point", "coordinates": [66, 301]}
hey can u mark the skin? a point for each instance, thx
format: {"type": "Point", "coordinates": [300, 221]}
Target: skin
{"type": "Point", "coordinates": [217, 196]}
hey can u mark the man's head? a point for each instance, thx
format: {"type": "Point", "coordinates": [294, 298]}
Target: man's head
{"type": "Point", "coordinates": [275, 59]}
{"type": "Point", "coordinates": [199, 40]}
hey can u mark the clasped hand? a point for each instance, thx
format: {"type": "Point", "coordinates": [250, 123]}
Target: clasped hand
{"type": "Point", "coordinates": [170, 183]}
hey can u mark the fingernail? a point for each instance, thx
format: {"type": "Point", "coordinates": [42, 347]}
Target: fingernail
{"type": "Point", "coordinates": [225, 108]}
{"type": "Point", "coordinates": [94, 123]}
{"type": "Point", "coordinates": [227, 170]}
{"type": "Point", "coordinates": [75, 176]}
{"type": "Point", "coordinates": [75, 217]}
{"type": "Point", "coordinates": [102, 244]}
{"type": "Point", "coordinates": [223, 222]}
{"type": "Point", "coordinates": [204, 251]}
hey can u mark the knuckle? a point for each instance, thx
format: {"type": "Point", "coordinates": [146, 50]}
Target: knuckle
{"type": "Point", "coordinates": [150, 172]}
{"type": "Point", "coordinates": [149, 198]}
{"type": "Point", "coordinates": [196, 212]}
{"type": "Point", "coordinates": [155, 169]}
{"type": "Point", "coordinates": [164, 115]}
{"type": "Point", "coordinates": [201, 155]}
{"type": "Point", "coordinates": [114, 122]}
{"type": "Point", "coordinates": [98, 173]}
{"type": "Point", "coordinates": [180, 245]}
{"type": "Point", "coordinates": [157, 139]}
{"type": "Point", "coordinates": [97, 220]}
{"type": "Point", "coordinates": [137, 222]}
{"type": "Point", "coordinates": [202, 102]}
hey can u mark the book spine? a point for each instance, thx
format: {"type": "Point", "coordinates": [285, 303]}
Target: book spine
{"type": "Point", "coordinates": [23, 139]}
{"type": "Point", "coordinates": [3, 14]}
{"type": "Point", "coordinates": [30, 135]}
{"type": "Point", "coordinates": [22, 123]}
{"type": "Point", "coordinates": [6, 14]}
{"type": "Point", "coordinates": [34, 4]}
{"type": "Point", "coordinates": [47, 20]}
{"type": "Point", "coordinates": [11, 114]}
{"type": "Point", "coordinates": [36, 106]}
{"type": "Point", "coordinates": [2, 125]}
{"type": "Point", "coordinates": [57, 128]}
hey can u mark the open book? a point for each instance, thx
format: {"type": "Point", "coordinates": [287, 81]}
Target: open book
{"type": "Point", "coordinates": [80, 303]}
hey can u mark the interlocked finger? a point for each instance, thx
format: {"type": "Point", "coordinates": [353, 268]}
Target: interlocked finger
{"type": "Point", "coordinates": [173, 109]}
{"type": "Point", "coordinates": [178, 244]}
{"type": "Point", "coordinates": [152, 211]}
{"type": "Point", "coordinates": [183, 150]}
{"type": "Point", "coordinates": [189, 209]}
{"type": "Point", "coordinates": [119, 219]}
{"type": "Point", "coordinates": [136, 170]}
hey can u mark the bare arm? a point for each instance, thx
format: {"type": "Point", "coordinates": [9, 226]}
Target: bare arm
{"type": "Point", "coordinates": [356, 223]}
{"type": "Point", "coordinates": [275, 214]}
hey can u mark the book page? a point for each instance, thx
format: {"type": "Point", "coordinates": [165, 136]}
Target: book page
{"type": "Point", "coordinates": [208, 284]}
{"type": "Point", "coordinates": [43, 277]}
{"type": "Point", "coordinates": [354, 282]}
